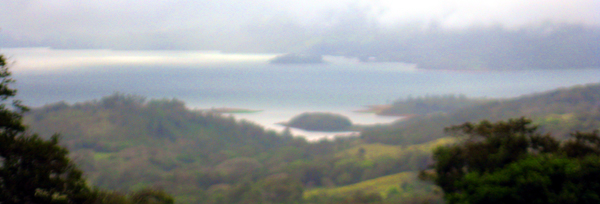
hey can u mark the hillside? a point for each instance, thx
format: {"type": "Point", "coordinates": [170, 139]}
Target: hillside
{"type": "Point", "coordinates": [124, 142]}
{"type": "Point", "coordinates": [397, 188]}
{"type": "Point", "coordinates": [560, 112]}
{"type": "Point", "coordinates": [428, 104]}
{"type": "Point", "coordinates": [127, 143]}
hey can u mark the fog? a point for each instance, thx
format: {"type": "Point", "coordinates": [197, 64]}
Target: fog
{"type": "Point", "coordinates": [266, 25]}
{"type": "Point", "coordinates": [385, 80]}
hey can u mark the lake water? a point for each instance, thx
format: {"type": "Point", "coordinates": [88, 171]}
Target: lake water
{"type": "Point", "coordinates": [212, 79]}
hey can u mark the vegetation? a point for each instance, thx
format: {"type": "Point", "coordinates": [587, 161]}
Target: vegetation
{"type": "Point", "coordinates": [33, 170]}
{"type": "Point", "coordinates": [320, 122]}
{"type": "Point", "coordinates": [397, 188]}
{"type": "Point", "coordinates": [559, 111]}
{"type": "Point", "coordinates": [232, 110]}
{"type": "Point", "coordinates": [429, 104]}
{"type": "Point", "coordinates": [126, 143]}
{"type": "Point", "coordinates": [510, 162]}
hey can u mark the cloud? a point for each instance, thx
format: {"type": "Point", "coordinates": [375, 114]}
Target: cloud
{"type": "Point", "coordinates": [462, 13]}
{"type": "Point", "coordinates": [226, 24]}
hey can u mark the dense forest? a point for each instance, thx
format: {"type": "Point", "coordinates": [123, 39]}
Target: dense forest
{"type": "Point", "coordinates": [318, 121]}
{"type": "Point", "coordinates": [124, 142]}
{"type": "Point", "coordinates": [127, 143]}
{"type": "Point", "coordinates": [560, 112]}
{"type": "Point", "coordinates": [512, 162]}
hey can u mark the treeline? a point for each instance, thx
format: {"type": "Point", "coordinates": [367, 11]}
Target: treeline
{"type": "Point", "coordinates": [423, 105]}
{"type": "Point", "coordinates": [511, 162]}
{"type": "Point", "coordinates": [37, 170]}
{"type": "Point", "coordinates": [561, 112]}
{"type": "Point", "coordinates": [127, 143]}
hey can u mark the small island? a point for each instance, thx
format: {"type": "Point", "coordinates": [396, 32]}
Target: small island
{"type": "Point", "coordinates": [297, 59]}
{"type": "Point", "coordinates": [319, 121]}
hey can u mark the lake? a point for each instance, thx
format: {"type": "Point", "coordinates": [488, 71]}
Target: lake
{"type": "Point", "coordinates": [208, 79]}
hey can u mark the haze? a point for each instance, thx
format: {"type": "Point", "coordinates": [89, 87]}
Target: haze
{"type": "Point", "coordinates": [265, 25]}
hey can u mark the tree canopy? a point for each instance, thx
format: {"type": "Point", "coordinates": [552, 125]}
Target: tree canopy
{"type": "Point", "coordinates": [318, 121]}
{"type": "Point", "coordinates": [510, 161]}
{"type": "Point", "coordinates": [33, 170]}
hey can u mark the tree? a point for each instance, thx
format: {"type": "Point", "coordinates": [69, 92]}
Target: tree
{"type": "Point", "coordinates": [151, 196]}
{"type": "Point", "coordinates": [318, 121]}
{"type": "Point", "coordinates": [510, 162]}
{"type": "Point", "coordinates": [281, 188]}
{"type": "Point", "coordinates": [33, 170]}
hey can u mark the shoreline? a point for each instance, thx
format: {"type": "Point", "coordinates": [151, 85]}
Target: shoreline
{"type": "Point", "coordinates": [272, 119]}
{"type": "Point", "coordinates": [228, 110]}
{"type": "Point", "coordinates": [378, 109]}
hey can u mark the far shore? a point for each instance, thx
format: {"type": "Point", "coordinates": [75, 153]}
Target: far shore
{"type": "Point", "coordinates": [230, 110]}
{"type": "Point", "coordinates": [379, 110]}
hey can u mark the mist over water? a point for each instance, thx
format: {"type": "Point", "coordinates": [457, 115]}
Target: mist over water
{"type": "Point", "coordinates": [214, 80]}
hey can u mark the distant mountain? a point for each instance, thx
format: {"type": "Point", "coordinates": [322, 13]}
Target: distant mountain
{"type": "Point", "coordinates": [548, 46]}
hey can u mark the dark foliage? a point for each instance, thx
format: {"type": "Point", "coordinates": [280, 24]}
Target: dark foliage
{"type": "Point", "coordinates": [510, 162]}
{"type": "Point", "coordinates": [320, 122]}
{"type": "Point", "coordinates": [124, 142]}
{"type": "Point", "coordinates": [33, 170]}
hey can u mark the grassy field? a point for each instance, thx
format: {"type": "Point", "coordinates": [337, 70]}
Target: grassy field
{"type": "Point", "coordinates": [377, 150]}
{"type": "Point", "coordinates": [405, 184]}
{"type": "Point", "coordinates": [401, 185]}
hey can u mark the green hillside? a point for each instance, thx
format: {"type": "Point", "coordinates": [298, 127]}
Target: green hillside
{"type": "Point", "coordinates": [374, 151]}
{"type": "Point", "coordinates": [125, 142]}
{"type": "Point", "coordinates": [559, 111]}
{"type": "Point", "coordinates": [403, 186]}
{"type": "Point", "coordinates": [429, 104]}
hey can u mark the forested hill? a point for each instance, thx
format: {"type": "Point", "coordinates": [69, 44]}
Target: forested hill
{"type": "Point", "coordinates": [118, 122]}
{"type": "Point", "coordinates": [127, 143]}
{"type": "Point", "coordinates": [560, 112]}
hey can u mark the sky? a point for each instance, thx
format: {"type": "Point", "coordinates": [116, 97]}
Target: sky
{"type": "Point", "coordinates": [241, 24]}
